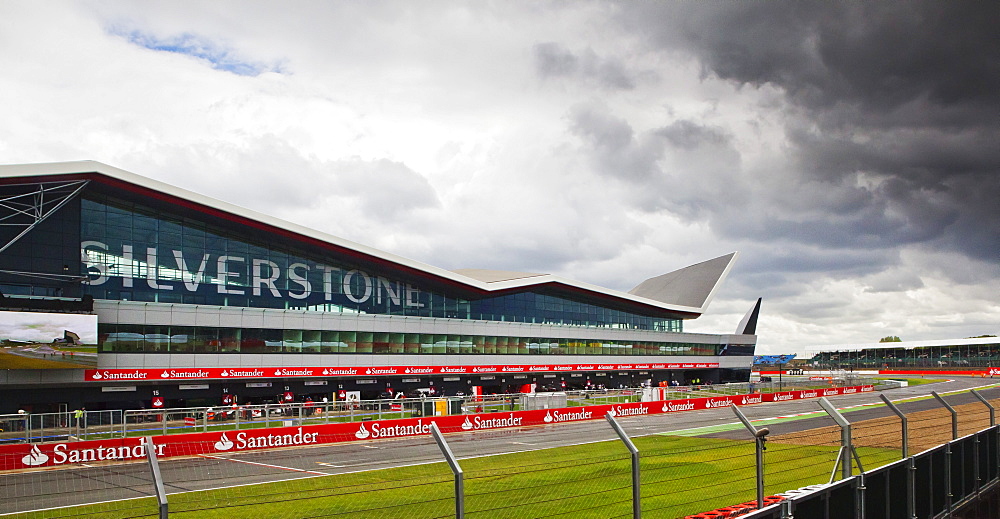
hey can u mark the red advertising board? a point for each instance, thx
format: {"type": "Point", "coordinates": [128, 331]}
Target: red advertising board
{"type": "Point", "coordinates": [118, 375]}
{"type": "Point", "coordinates": [22, 456]}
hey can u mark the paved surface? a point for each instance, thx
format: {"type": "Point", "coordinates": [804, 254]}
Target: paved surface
{"type": "Point", "coordinates": [43, 489]}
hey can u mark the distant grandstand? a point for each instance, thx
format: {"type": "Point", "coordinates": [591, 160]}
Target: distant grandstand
{"type": "Point", "coordinates": [948, 354]}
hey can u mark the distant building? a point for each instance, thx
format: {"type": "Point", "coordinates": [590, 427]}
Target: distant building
{"type": "Point", "coordinates": [955, 353]}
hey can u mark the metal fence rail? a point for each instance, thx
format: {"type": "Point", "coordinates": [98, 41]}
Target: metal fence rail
{"type": "Point", "coordinates": [105, 424]}
{"type": "Point", "coordinates": [628, 471]}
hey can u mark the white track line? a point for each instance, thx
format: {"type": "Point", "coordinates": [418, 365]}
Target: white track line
{"type": "Point", "coordinates": [292, 469]}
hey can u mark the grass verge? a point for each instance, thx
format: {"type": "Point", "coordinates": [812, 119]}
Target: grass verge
{"type": "Point", "coordinates": [680, 476]}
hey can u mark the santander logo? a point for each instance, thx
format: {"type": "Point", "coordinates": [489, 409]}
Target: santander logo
{"type": "Point", "coordinates": [362, 433]}
{"type": "Point", "coordinates": [224, 443]}
{"type": "Point", "coordinates": [669, 407]}
{"type": "Point", "coordinates": [35, 458]}
{"type": "Point", "coordinates": [618, 410]}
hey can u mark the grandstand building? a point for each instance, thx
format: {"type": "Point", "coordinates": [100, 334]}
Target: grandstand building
{"type": "Point", "coordinates": [981, 352]}
{"type": "Point", "coordinates": [198, 302]}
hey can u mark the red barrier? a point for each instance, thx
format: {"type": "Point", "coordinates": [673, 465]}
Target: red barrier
{"type": "Point", "coordinates": [20, 456]}
{"type": "Point", "coordinates": [736, 510]}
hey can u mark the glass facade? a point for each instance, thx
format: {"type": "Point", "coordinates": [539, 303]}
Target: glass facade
{"type": "Point", "coordinates": [136, 253]}
{"type": "Point", "coordinates": [133, 338]}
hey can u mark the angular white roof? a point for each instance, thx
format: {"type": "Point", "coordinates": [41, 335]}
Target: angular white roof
{"type": "Point", "coordinates": [685, 291]}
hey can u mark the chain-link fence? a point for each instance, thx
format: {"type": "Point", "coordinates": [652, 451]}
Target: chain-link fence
{"type": "Point", "coordinates": [689, 464]}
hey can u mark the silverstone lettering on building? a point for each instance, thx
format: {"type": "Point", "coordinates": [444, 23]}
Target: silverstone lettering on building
{"type": "Point", "coordinates": [242, 276]}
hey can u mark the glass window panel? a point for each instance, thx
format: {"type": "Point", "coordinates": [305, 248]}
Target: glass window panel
{"type": "Point", "coordinates": [229, 340]}
{"type": "Point", "coordinates": [501, 347]}
{"type": "Point", "coordinates": [181, 338]}
{"type": "Point", "coordinates": [426, 343]}
{"type": "Point", "coordinates": [412, 343]}
{"type": "Point", "coordinates": [330, 342]}
{"type": "Point", "coordinates": [156, 339]}
{"type": "Point", "coordinates": [349, 342]}
{"type": "Point", "coordinates": [273, 340]}
{"type": "Point", "coordinates": [397, 343]}
{"type": "Point", "coordinates": [205, 340]}
{"type": "Point", "coordinates": [364, 343]}
{"type": "Point", "coordinates": [380, 343]}
{"type": "Point", "coordinates": [312, 341]}
{"type": "Point", "coordinates": [251, 340]}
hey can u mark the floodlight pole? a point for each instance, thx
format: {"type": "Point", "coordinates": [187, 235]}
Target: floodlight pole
{"type": "Point", "coordinates": [760, 436]}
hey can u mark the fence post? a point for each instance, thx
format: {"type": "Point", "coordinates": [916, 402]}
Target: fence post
{"type": "Point", "coordinates": [976, 467]}
{"type": "Point", "coordinates": [455, 468]}
{"type": "Point", "coordinates": [846, 448]}
{"type": "Point", "coordinates": [154, 468]}
{"type": "Point", "coordinates": [787, 509]}
{"type": "Point", "coordinates": [993, 417]}
{"type": "Point", "coordinates": [636, 497]}
{"type": "Point", "coordinates": [760, 436]}
{"type": "Point", "coordinates": [911, 489]}
{"type": "Point", "coordinates": [954, 415]}
{"type": "Point", "coordinates": [902, 418]}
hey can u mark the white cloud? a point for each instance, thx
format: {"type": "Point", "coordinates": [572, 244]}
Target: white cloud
{"type": "Point", "coordinates": [541, 137]}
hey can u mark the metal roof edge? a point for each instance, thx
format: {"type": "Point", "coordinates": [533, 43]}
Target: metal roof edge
{"type": "Point", "coordinates": [89, 166]}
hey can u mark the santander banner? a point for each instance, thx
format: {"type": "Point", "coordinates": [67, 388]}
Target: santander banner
{"type": "Point", "coordinates": [105, 375]}
{"type": "Point", "coordinates": [23, 456]}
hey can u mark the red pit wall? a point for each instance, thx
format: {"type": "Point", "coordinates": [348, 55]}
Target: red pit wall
{"type": "Point", "coordinates": [22, 456]}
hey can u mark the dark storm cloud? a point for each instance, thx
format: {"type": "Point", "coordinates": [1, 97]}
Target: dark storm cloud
{"type": "Point", "coordinates": [681, 166]}
{"type": "Point", "coordinates": [555, 61]}
{"type": "Point", "coordinates": [896, 105]}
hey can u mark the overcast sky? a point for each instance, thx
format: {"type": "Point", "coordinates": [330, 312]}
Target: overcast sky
{"type": "Point", "coordinates": [849, 150]}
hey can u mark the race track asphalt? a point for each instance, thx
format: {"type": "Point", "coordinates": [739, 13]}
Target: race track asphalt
{"type": "Point", "coordinates": [78, 484]}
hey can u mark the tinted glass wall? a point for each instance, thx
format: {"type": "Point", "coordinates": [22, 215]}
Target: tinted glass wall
{"type": "Point", "coordinates": [137, 338]}
{"type": "Point", "coordinates": [136, 253]}
{"type": "Point", "coordinates": [45, 261]}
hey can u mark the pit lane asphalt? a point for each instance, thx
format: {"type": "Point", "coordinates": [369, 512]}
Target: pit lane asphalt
{"type": "Point", "coordinates": [80, 484]}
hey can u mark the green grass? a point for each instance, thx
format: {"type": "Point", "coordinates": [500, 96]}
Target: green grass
{"type": "Point", "coordinates": [680, 476]}
{"type": "Point", "coordinates": [11, 361]}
